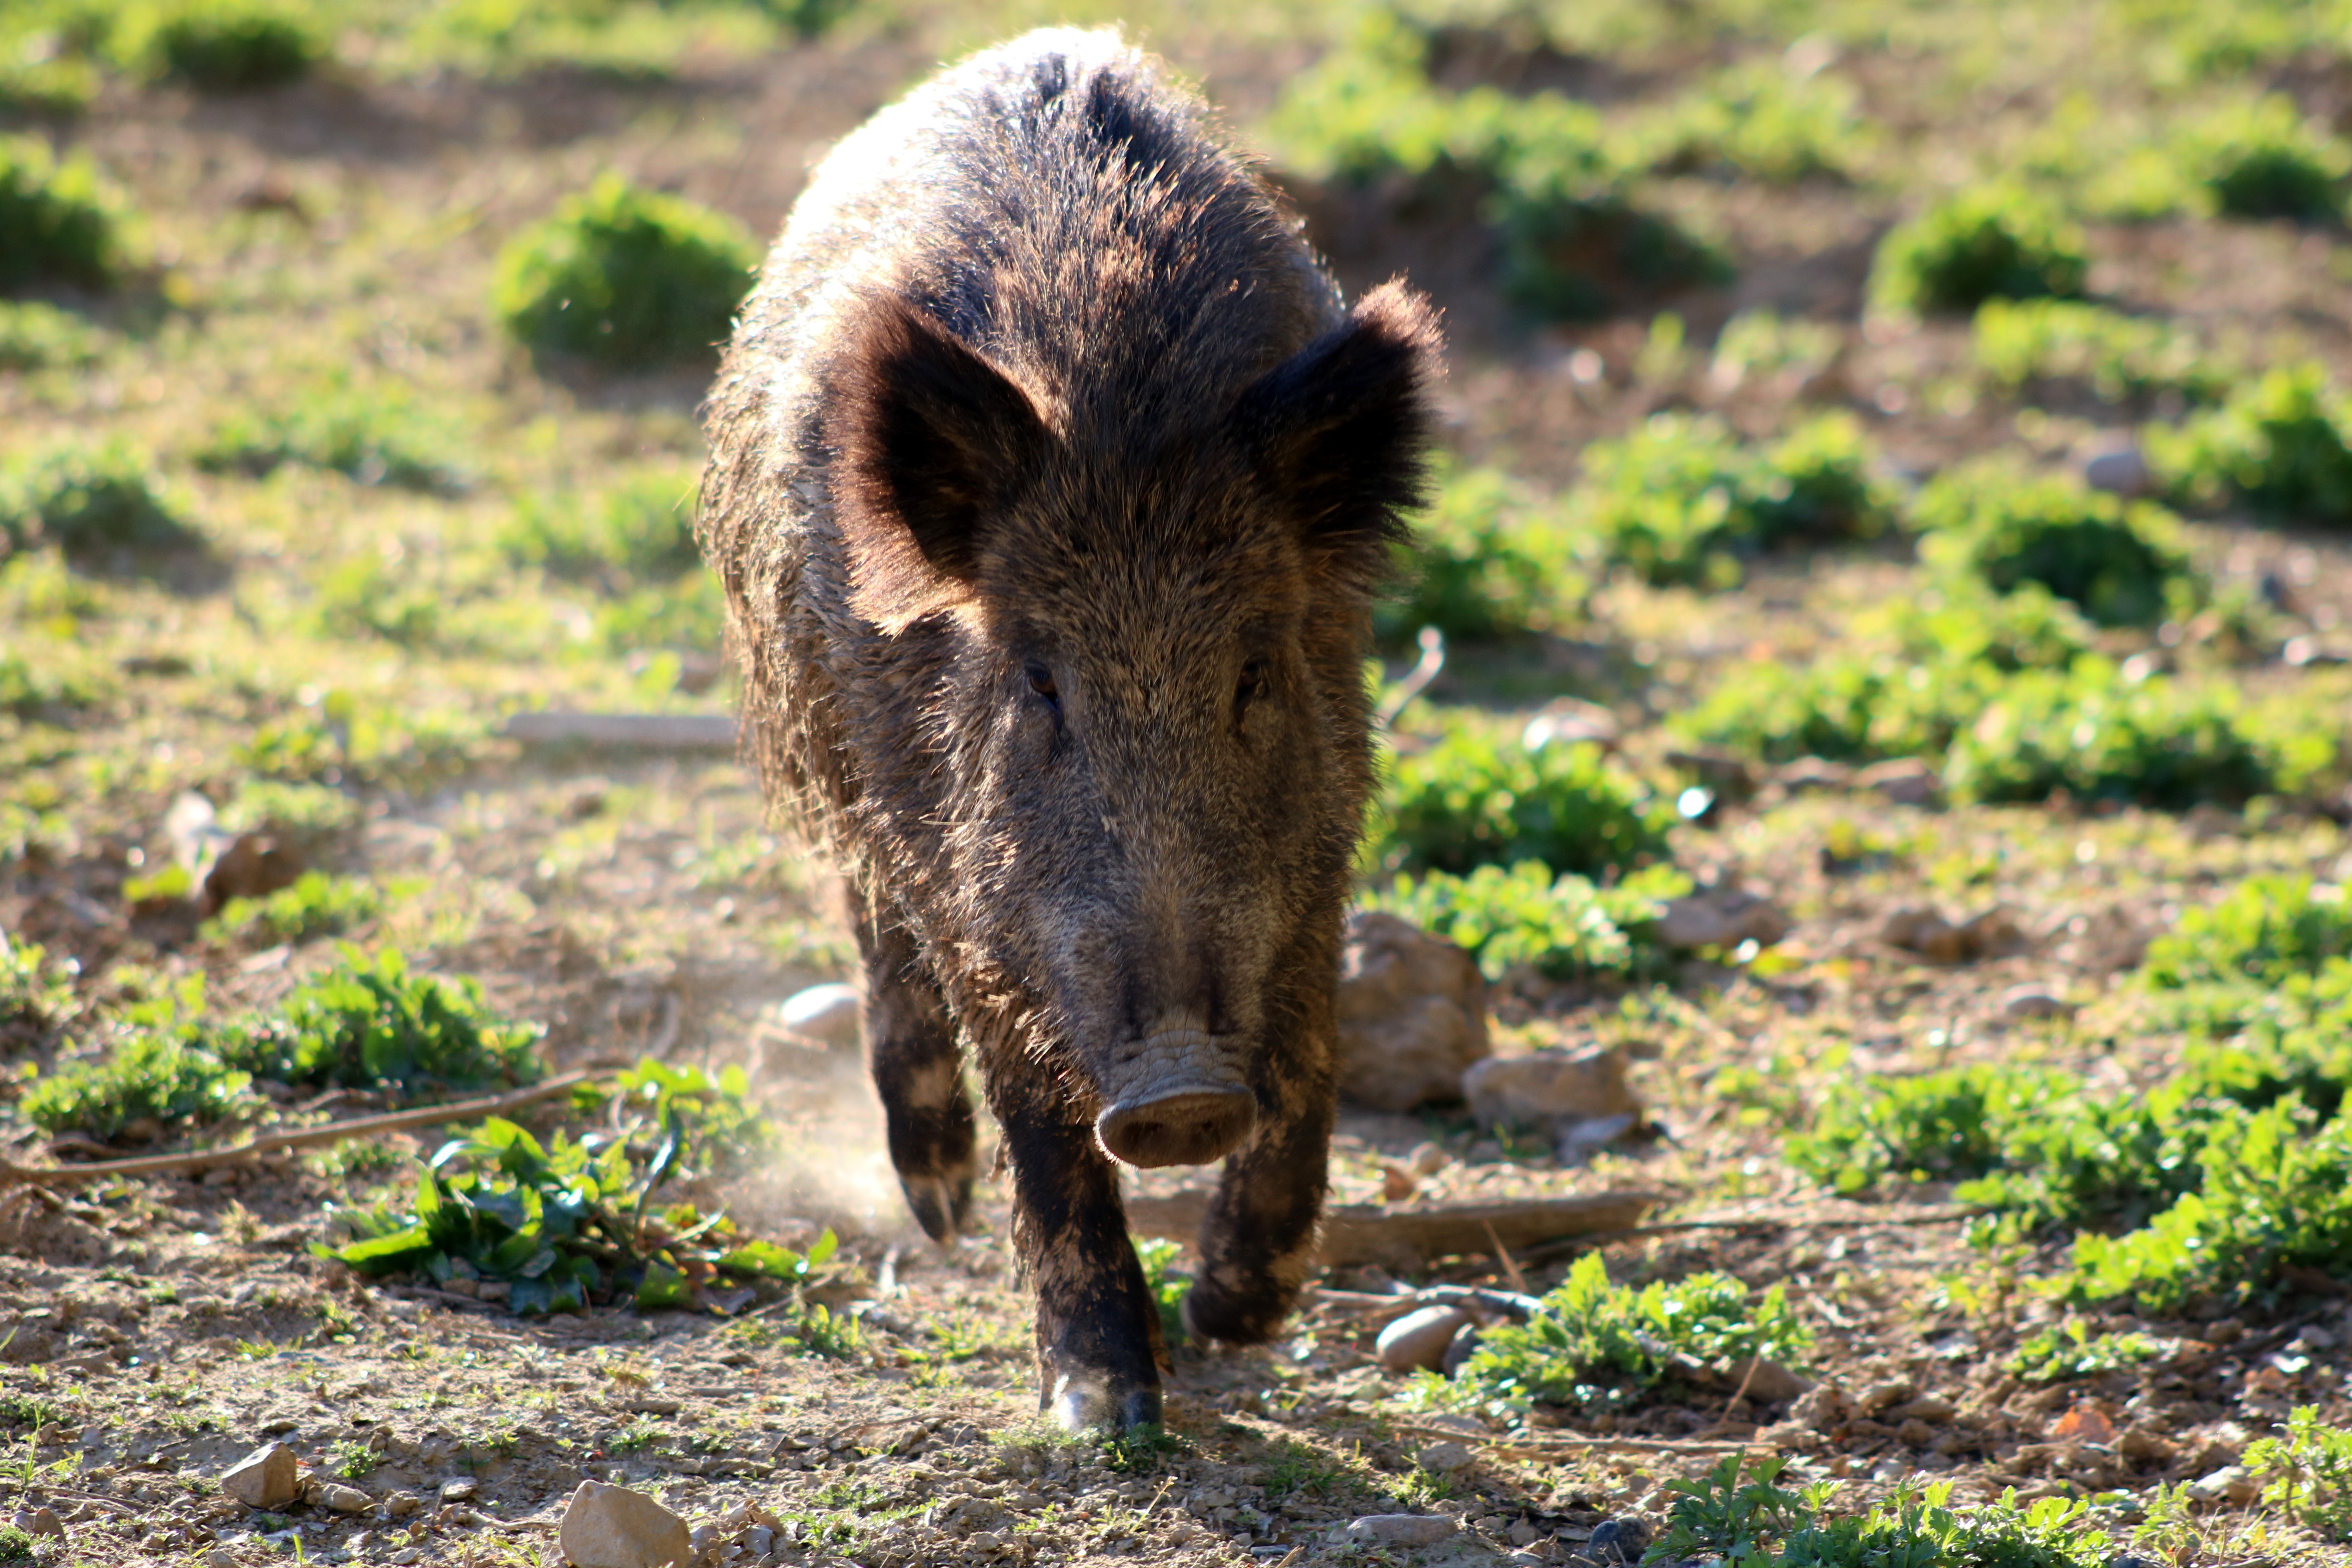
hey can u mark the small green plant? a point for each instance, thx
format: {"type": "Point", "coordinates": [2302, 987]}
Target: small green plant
{"type": "Point", "coordinates": [36, 992]}
{"type": "Point", "coordinates": [1488, 562]}
{"type": "Point", "coordinates": [378, 433]}
{"type": "Point", "coordinates": [1594, 1344]}
{"type": "Point", "coordinates": [1757, 119]}
{"type": "Point", "coordinates": [1158, 1258]}
{"type": "Point", "coordinates": [34, 336]}
{"type": "Point", "coordinates": [1758, 1524]}
{"type": "Point", "coordinates": [59, 223]}
{"type": "Point", "coordinates": [2279, 445]}
{"type": "Point", "coordinates": [2030, 345]}
{"type": "Point", "coordinates": [2307, 1474]}
{"type": "Point", "coordinates": [624, 277]}
{"type": "Point", "coordinates": [639, 1437]}
{"type": "Point", "coordinates": [727, 1126]}
{"type": "Point", "coordinates": [2266, 930]}
{"type": "Point", "coordinates": [2059, 1351]}
{"type": "Point", "coordinates": [2097, 735]}
{"type": "Point", "coordinates": [86, 498]}
{"type": "Point", "coordinates": [2122, 565]}
{"type": "Point", "coordinates": [2263, 160]}
{"type": "Point", "coordinates": [1562, 926]}
{"type": "Point", "coordinates": [1475, 796]}
{"type": "Point", "coordinates": [638, 531]}
{"type": "Point", "coordinates": [316, 905]}
{"type": "Point", "coordinates": [29, 1410]}
{"type": "Point", "coordinates": [15, 1545]}
{"type": "Point", "coordinates": [350, 1458]}
{"type": "Point", "coordinates": [1680, 499]}
{"type": "Point", "coordinates": [1984, 243]}
{"type": "Point", "coordinates": [221, 45]}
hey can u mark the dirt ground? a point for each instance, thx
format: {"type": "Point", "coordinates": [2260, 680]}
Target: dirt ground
{"type": "Point", "coordinates": [153, 1331]}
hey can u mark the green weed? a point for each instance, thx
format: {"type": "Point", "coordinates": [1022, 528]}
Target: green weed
{"type": "Point", "coordinates": [88, 498]}
{"type": "Point", "coordinates": [36, 992]}
{"type": "Point", "coordinates": [1166, 1287]}
{"type": "Point", "coordinates": [2098, 735]}
{"type": "Point", "coordinates": [1763, 344]}
{"type": "Point", "coordinates": [29, 1410]}
{"type": "Point", "coordinates": [2121, 566]}
{"type": "Point", "coordinates": [2307, 1474]}
{"type": "Point", "coordinates": [1597, 1345]}
{"type": "Point", "coordinates": [1562, 926]}
{"type": "Point", "coordinates": [316, 905]}
{"type": "Point", "coordinates": [221, 45]}
{"type": "Point", "coordinates": [1488, 562]}
{"type": "Point", "coordinates": [2278, 444]}
{"type": "Point", "coordinates": [1295, 1468]}
{"type": "Point", "coordinates": [1984, 243]}
{"type": "Point", "coordinates": [59, 223]}
{"type": "Point", "coordinates": [1756, 1524]}
{"type": "Point", "coordinates": [34, 336]}
{"type": "Point", "coordinates": [626, 278]}
{"type": "Point", "coordinates": [15, 1545]}
{"type": "Point", "coordinates": [350, 1458]}
{"type": "Point", "coordinates": [639, 1437]}
{"type": "Point", "coordinates": [1757, 119]}
{"type": "Point", "coordinates": [379, 432]}
{"type": "Point", "coordinates": [2059, 1351]}
{"type": "Point", "coordinates": [2028, 345]}
{"type": "Point", "coordinates": [1681, 499]}
{"type": "Point", "coordinates": [2270, 931]}
{"type": "Point", "coordinates": [639, 529]}
{"type": "Point", "coordinates": [727, 1128]}
{"type": "Point", "coordinates": [1476, 798]}
{"type": "Point", "coordinates": [2263, 160]}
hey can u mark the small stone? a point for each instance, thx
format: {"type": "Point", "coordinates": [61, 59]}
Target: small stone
{"type": "Point", "coordinates": [2229, 1484]}
{"type": "Point", "coordinates": [1811, 774]}
{"type": "Point", "coordinates": [457, 1491]}
{"type": "Point", "coordinates": [759, 1539]}
{"type": "Point", "coordinates": [1396, 1183]}
{"type": "Point", "coordinates": [1521, 1533]}
{"type": "Point", "coordinates": [1727, 776]}
{"type": "Point", "coordinates": [1426, 1159]}
{"type": "Point", "coordinates": [1444, 1458]}
{"type": "Point", "coordinates": [343, 1499]}
{"type": "Point", "coordinates": [1411, 1012]}
{"type": "Point", "coordinates": [2118, 467]}
{"type": "Point", "coordinates": [266, 1478]}
{"type": "Point", "coordinates": [613, 1527]}
{"type": "Point", "coordinates": [1417, 1341]}
{"type": "Point", "coordinates": [1545, 1087]}
{"type": "Point", "coordinates": [825, 1014]}
{"type": "Point", "coordinates": [1880, 1397]}
{"type": "Point", "coordinates": [2030, 1001]}
{"type": "Point", "coordinates": [39, 1521]}
{"type": "Point", "coordinates": [1402, 1528]}
{"type": "Point", "coordinates": [651, 1404]}
{"type": "Point", "coordinates": [1570, 720]}
{"type": "Point", "coordinates": [1723, 918]}
{"type": "Point", "coordinates": [1766, 1382]}
{"type": "Point", "coordinates": [1901, 781]}
{"type": "Point", "coordinates": [401, 1505]}
{"type": "Point", "coordinates": [1933, 1409]}
{"type": "Point", "coordinates": [221, 1557]}
{"type": "Point", "coordinates": [1619, 1541]}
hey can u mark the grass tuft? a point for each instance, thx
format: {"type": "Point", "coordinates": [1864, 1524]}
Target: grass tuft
{"type": "Point", "coordinates": [1475, 796]}
{"type": "Point", "coordinates": [221, 45]}
{"type": "Point", "coordinates": [59, 222]}
{"type": "Point", "coordinates": [88, 498]}
{"type": "Point", "coordinates": [1989, 242]}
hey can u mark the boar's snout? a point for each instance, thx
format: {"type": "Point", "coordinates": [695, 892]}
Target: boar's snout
{"type": "Point", "coordinates": [1176, 1098]}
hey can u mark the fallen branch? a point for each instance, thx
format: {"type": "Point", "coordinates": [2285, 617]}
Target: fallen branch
{"type": "Point", "coordinates": [1366, 1233]}
{"type": "Point", "coordinates": [308, 1138]}
{"type": "Point", "coordinates": [1761, 1222]}
{"type": "Point", "coordinates": [1565, 1445]}
{"type": "Point", "coordinates": [646, 732]}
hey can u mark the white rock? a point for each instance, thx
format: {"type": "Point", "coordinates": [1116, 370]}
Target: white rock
{"type": "Point", "coordinates": [1548, 1087]}
{"type": "Point", "coordinates": [1443, 1458]}
{"type": "Point", "coordinates": [1402, 1528]}
{"type": "Point", "coordinates": [1427, 1160]}
{"type": "Point", "coordinates": [1722, 916]}
{"type": "Point", "coordinates": [2118, 467]}
{"type": "Point", "coordinates": [1413, 1014]}
{"type": "Point", "coordinates": [824, 1013]}
{"type": "Point", "coordinates": [2030, 1001]}
{"type": "Point", "coordinates": [264, 1479]}
{"type": "Point", "coordinates": [343, 1499]}
{"type": "Point", "coordinates": [1418, 1339]}
{"type": "Point", "coordinates": [1903, 781]}
{"type": "Point", "coordinates": [613, 1527]}
{"type": "Point", "coordinates": [1570, 720]}
{"type": "Point", "coordinates": [2229, 1484]}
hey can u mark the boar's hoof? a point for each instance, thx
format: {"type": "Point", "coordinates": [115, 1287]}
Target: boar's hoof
{"type": "Point", "coordinates": [940, 1203]}
{"type": "Point", "coordinates": [1082, 1404]}
{"type": "Point", "coordinates": [1212, 1317]}
{"type": "Point", "coordinates": [1191, 1127]}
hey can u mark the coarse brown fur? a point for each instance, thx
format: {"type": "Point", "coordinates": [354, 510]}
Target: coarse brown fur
{"type": "Point", "coordinates": [1050, 485]}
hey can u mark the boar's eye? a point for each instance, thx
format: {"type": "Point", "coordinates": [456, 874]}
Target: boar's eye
{"type": "Point", "coordinates": [1041, 681]}
{"type": "Point", "coordinates": [1256, 682]}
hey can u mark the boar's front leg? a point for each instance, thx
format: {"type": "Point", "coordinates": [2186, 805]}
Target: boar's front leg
{"type": "Point", "coordinates": [910, 1047]}
{"type": "Point", "coordinates": [1098, 1345]}
{"type": "Point", "coordinates": [1258, 1244]}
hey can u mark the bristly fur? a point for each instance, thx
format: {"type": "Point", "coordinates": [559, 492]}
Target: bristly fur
{"type": "Point", "coordinates": [1050, 485]}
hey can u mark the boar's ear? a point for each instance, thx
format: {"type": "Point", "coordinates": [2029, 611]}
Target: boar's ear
{"type": "Point", "coordinates": [930, 439]}
{"type": "Point", "coordinates": [1341, 431]}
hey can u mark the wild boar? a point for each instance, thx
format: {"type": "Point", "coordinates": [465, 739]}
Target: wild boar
{"type": "Point", "coordinates": [1051, 483]}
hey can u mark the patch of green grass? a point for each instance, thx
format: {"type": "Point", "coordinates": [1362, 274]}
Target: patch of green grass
{"type": "Point", "coordinates": [2099, 735]}
{"type": "Point", "coordinates": [1598, 1345]}
{"type": "Point", "coordinates": [37, 993]}
{"type": "Point", "coordinates": [639, 1437]}
{"type": "Point", "coordinates": [15, 1545]}
{"type": "Point", "coordinates": [221, 45]}
{"type": "Point", "coordinates": [1477, 796]}
{"type": "Point", "coordinates": [351, 1459]}
{"type": "Point", "coordinates": [346, 738]}
{"type": "Point", "coordinates": [1757, 119]}
{"type": "Point", "coordinates": [626, 278]}
{"type": "Point", "coordinates": [2028, 345]}
{"type": "Point", "coordinates": [57, 85]}
{"type": "Point", "coordinates": [1488, 562]}
{"type": "Point", "coordinates": [1158, 1258]}
{"type": "Point", "coordinates": [1295, 1468]}
{"type": "Point", "coordinates": [638, 528]}
{"type": "Point", "coordinates": [87, 497]}
{"type": "Point", "coordinates": [2264, 160]}
{"type": "Point", "coordinates": [34, 336]}
{"type": "Point", "coordinates": [1756, 1524]}
{"type": "Point", "coordinates": [2059, 1351]}
{"type": "Point", "coordinates": [1682, 499]}
{"type": "Point", "coordinates": [316, 905]}
{"type": "Point", "coordinates": [2278, 444]}
{"type": "Point", "coordinates": [29, 1410]}
{"type": "Point", "coordinates": [2307, 1474]}
{"type": "Point", "coordinates": [2120, 564]}
{"type": "Point", "coordinates": [378, 433]}
{"type": "Point", "coordinates": [2268, 931]}
{"type": "Point", "coordinates": [59, 222]}
{"type": "Point", "coordinates": [1987, 242]}
{"type": "Point", "coordinates": [1563, 926]}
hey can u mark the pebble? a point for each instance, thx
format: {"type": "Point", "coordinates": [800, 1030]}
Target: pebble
{"type": "Point", "coordinates": [220, 1557]}
{"type": "Point", "coordinates": [400, 1505]}
{"type": "Point", "coordinates": [1444, 1458]}
{"type": "Point", "coordinates": [1426, 1159]}
{"type": "Point", "coordinates": [39, 1521]}
{"type": "Point", "coordinates": [613, 1527]}
{"type": "Point", "coordinates": [2118, 467]}
{"type": "Point", "coordinates": [1722, 916]}
{"type": "Point", "coordinates": [457, 1491]}
{"type": "Point", "coordinates": [824, 1013]}
{"type": "Point", "coordinates": [343, 1499]}
{"type": "Point", "coordinates": [266, 1478]}
{"type": "Point", "coordinates": [1548, 1086]}
{"type": "Point", "coordinates": [1402, 1528]}
{"type": "Point", "coordinates": [1418, 1339]}
{"type": "Point", "coordinates": [2230, 1483]}
{"type": "Point", "coordinates": [2031, 1000]}
{"type": "Point", "coordinates": [1619, 1541]}
{"type": "Point", "coordinates": [1901, 781]}
{"type": "Point", "coordinates": [759, 1539]}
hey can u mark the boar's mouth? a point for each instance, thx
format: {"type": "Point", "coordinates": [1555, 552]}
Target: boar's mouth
{"type": "Point", "coordinates": [1175, 1097]}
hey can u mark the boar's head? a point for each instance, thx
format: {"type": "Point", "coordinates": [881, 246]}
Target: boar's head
{"type": "Point", "coordinates": [1141, 604]}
